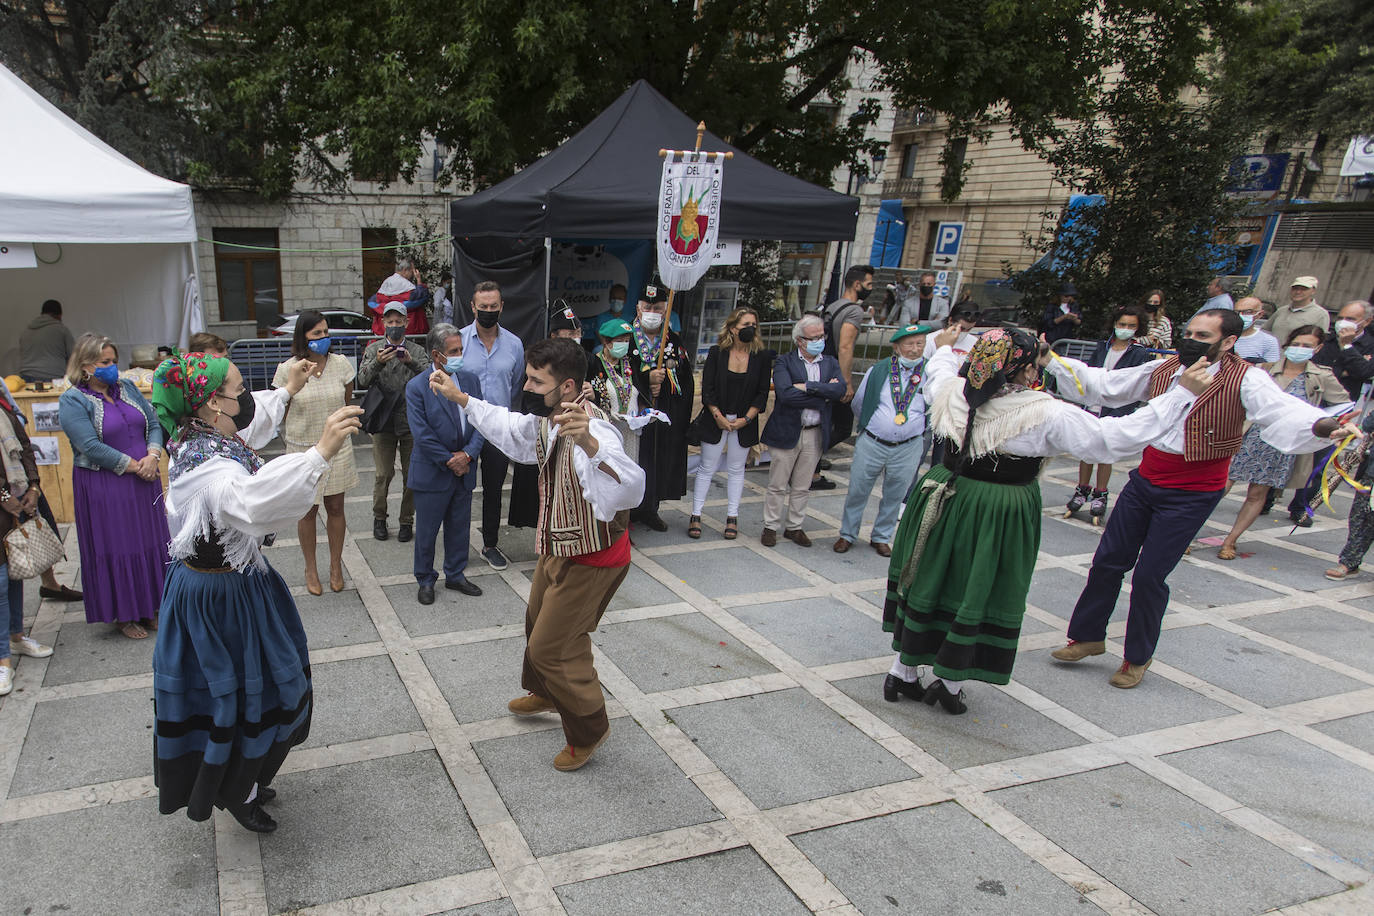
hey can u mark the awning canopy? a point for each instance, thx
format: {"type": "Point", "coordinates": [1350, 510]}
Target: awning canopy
{"type": "Point", "coordinates": [60, 183]}
{"type": "Point", "coordinates": [603, 184]}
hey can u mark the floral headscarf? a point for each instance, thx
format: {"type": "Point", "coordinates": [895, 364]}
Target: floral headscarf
{"type": "Point", "coordinates": [998, 355]}
{"type": "Point", "coordinates": [183, 384]}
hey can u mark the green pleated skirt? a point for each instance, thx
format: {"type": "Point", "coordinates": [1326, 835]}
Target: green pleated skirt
{"type": "Point", "coordinates": [962, 612]}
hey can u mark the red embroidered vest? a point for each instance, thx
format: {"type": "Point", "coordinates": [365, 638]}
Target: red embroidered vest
{"type": "Point", "coordinates": [567, 526]}
{"type": "Point", "coordinates": [1215, 426]}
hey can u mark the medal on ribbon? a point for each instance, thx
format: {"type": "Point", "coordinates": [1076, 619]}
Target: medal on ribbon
{"type": "Point", "coordinates": [901, 399]}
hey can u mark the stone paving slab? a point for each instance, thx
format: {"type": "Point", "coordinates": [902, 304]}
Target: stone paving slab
{"type": "Point", "coordinates": [733, 572]}
{"type": "Point", "coordinates": [106, 860]}
{"type": "Point", "coordinates": [998, 727]}
{"type": "Point", "coordinates": [817, 631]}
{"type": "Point", "coordinates": [365, 827]}
{"type": "Point", "coordinates": [59, 752]}
{"type": "Point", "coordinates": [336, 620]}
{"type": "Point", "coordinates": [630, 789]}
{"type": "Point", "coordinates": [1333, 805]}
{"type": "Point", "coordinates": [786, 747]}
{"type": "Point", "coordinates": [1330, 633]}
{"type": "Point", "coordinates": [678, 651]}
{"type": "Point", "coordinates": [1357, 731]}
{"type": "Point", "coordinates": [478, 679]}
{"type": "Point", "coordinates": [938, 859]}
{"type": "Point", "coordinates": [453, 612]}
{"type": "Point", "coordinates": [95, 651]}
{"type": "Point", "coordinates": [1164, 849]}
{"type": "Point", "coordinates": [359, 698]}
{"type": "Point", "coordinates": [704, 886]}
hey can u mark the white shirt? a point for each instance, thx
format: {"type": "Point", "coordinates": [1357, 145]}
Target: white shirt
{"type": "Point", "coordinates": [810, 415]}
{"type": "Point", "coordinates": [611, 482]}
{"type": "Point", "coordinates": [883, 422]}
{"type": "Point", "coordinates": [1258, 344]}
{"type": "Point", "coordinates": [962, 346]}
{"type": "Point", "coordinates": [1070, 431]}
{"type": "Point", "coordinates": [268, 410]}
{"type": "Point", "coordinates": [1285, 422]}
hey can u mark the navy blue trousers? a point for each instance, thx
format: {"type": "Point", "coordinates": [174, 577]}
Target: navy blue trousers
{"type": "Point", "coordinates": [1149, 529]}
{"type": "Point", "coordinates": [453, 510]}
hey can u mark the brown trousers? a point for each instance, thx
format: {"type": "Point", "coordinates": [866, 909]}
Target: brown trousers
{"type": "Point", "coordinates": [567, 600]}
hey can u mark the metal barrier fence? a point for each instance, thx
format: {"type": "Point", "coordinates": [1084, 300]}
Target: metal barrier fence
{"type": "Point", "coordinates": [870, 346]}
{"type": "Point", "coordinates": [258, 358]}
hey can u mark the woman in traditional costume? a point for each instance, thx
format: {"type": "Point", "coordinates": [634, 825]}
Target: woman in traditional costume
{"type": "Point", "coordinates": [231, 675]}
{"type": "Point", "coordinates": [965, 550]}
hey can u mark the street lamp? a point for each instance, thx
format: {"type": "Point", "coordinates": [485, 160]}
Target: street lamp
{"type": "Point", "coordinates": [832, 292]}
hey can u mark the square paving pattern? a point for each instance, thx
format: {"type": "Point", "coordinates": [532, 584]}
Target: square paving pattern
{"type": "Point", "coordinates": [752, 765]}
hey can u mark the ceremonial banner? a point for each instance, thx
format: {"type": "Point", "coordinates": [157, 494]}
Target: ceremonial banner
{"type": "Point", "coordinates": [688, 217]}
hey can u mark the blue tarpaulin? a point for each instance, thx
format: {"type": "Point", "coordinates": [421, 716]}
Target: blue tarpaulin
{"type": "Point", "coordinates": [889, 235]}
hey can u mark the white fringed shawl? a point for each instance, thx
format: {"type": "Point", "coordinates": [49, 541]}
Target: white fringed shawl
{"type": "Point", "coordinates": [999, 420]}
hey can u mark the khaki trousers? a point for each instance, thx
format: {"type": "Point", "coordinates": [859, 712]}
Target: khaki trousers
{"type": "Point", "coordinates": [567, 600]}
{"type": "Point", "coordinates": [789, 480]}
{"type": "Point", "coordinates": [384, 448]}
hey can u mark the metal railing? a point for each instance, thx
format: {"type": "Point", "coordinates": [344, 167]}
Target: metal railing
{"type": "Point", "coordinates": [903, 187]}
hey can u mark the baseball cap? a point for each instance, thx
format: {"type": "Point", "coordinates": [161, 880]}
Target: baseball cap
{"type": "Point", "coordinates": [394, 305]}
{"type": "Point", "coordinates": [1308, 282]}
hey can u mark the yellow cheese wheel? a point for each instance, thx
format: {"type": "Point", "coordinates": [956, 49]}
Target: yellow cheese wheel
{"type": "Point", "coordinates": [14, 383]}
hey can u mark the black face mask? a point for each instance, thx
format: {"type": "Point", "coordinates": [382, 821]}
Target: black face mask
{"type": "Point", "coordinates": [396, 335]}
{"type": "Point", "coordinates": [927, 291]}
{"type": "Point", "coordinates": [533, 403]}
{"type": "Point", "coordinates": [746, 335]}
{"type": "Point", "coordinates": [1190, 351]}
{"type": "Point", "coordinates": [488, 319]}
{"type": "Point", "coordinates": [247, 407]}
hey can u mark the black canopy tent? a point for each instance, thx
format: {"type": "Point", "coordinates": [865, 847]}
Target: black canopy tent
{"type": "Point", "coordinates": [603, 184]}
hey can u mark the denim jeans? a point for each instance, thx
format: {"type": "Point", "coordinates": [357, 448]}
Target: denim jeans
{"type": "Point", "coordinates": [11, 606]}
{"type": "Point", "coordinates": [898, 465]}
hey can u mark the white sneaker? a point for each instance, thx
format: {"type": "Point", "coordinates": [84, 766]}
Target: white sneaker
{"type": "Point", "coordinates": [6, 679]}
{"type": "Point", "coordinates": [30, 647]}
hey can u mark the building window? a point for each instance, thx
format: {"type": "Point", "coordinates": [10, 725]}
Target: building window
{"type": "Point", "coordinates": [377, 264]}
{"type": "Point", "coordinates": [958, 149]}
{"type": "Point", "coordinates": [249, 278]}
{"type": "Point", "coordinates": [909, 160]}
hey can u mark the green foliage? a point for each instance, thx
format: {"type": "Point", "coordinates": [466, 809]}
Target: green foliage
{"type": "Point", "coordinates": [1305, 67]}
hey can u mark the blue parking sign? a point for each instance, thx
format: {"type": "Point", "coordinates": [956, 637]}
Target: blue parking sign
{"type": "Point", "coordinates": [948, 237]}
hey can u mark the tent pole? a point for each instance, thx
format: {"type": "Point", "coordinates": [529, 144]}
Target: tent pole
{"type": "Point", "coordinates": [548, 268]}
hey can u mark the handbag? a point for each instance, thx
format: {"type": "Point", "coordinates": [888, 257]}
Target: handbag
{"type": "Point", "coordinates": [378, 407]}
{"type": "Point", "coordinates": [32, 549]}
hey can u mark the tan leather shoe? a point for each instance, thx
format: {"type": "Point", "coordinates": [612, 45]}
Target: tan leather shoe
{"type": "Point", "coordinates": [1077, 651]}
{"type": "Point", "coordinates": [769, 538]}
{"type": "Point", "coordinates": [531, 704]}
{"type": "Point", "coordinates": [572, 758]}
{"type": "Point", "coordinates": [798, 537]}
{"type": "Point", "coordinates": [884, 550]}
{"type": "Point", "coordinates": [1128, 675]}
{"type": "Point", "coordinates": [841, 546]}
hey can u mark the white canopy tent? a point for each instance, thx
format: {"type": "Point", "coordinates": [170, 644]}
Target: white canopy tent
{"type": "Point", "coordinates": [113, 242]}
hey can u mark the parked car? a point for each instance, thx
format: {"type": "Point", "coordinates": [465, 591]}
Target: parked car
{"type": "Point", "coordinates": [342, 323]}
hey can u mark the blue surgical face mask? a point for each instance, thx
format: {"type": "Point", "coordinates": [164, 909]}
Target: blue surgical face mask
{"type": "Point", "coordinates": [619, 349]}
{"type": "Point", "coordinates": [815, 347]}
{"type": "Point", "coordinates": [319, 345]}
{"type": "Point", "coordinates": [617, 305]}
{"type": "Point", "coordinates": [107, 374]}
{"type": "Point", "coordinates": [453, 364]}
{"type": "Point", "coordinates": [1123, 333]}
{"type": "Point", "coordinates": [1247, 320]}
{"type": "Point", "coordinates": [908, 362]}
{"type": "Point", "coordinates": [1298, 354]}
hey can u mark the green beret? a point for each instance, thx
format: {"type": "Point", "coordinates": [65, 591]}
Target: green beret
{"type": "Point", "coordinates": [909, 330]}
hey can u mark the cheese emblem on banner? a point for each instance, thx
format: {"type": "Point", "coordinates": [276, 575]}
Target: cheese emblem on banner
{"type": "Point", "coordinates": [689, 217]}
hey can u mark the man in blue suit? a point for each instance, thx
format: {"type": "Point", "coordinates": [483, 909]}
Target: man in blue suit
{"type": "Point", "coordinates": [443, 466]}
{"type": "Point", "coordinates": [806, 385]}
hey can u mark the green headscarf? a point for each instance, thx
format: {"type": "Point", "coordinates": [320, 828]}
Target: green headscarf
{"type": "Point", "coordinates": [183, 384]}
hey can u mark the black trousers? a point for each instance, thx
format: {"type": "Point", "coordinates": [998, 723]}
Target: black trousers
{"type": "Point", "coordinates": [492, 464]}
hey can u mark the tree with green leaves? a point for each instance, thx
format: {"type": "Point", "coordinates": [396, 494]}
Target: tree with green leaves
{"type": "Point", "coordinates": [261, 94]}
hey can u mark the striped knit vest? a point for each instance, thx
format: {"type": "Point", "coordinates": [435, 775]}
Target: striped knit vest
{"type": "Point", "coordinates": [1215, 426]}
{"type": "Point", "coordinates": [567, 526]}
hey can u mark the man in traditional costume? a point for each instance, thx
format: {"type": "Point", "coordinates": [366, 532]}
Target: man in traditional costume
{"type": "Point", "coordinates": [965, 551]}
{"type": "Point", "coordinates": [587, 485]}
{"type": "Point", "coordinates": [1181, 478]}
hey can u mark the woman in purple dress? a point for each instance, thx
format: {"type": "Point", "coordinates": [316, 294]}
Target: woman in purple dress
{"type": "Point", "coordinates": [121, 524]}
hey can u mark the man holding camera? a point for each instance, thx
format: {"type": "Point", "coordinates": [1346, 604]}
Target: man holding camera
{"type": "Point", "coordinates": [389, 363]}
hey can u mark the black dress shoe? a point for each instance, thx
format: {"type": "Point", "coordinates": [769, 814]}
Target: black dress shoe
{"type": "Point", "coordinates": [265, 794]}
{"type": "Point", "coordinates": [251, 816]}
{"type": "Point", "coordinates": [652, 520]}
{"type": "Point", "coordinates": [379, 529]}
{"type": "Point", "coordinates": [406, 533]}
{"type": "Point", "coordinates": [823, 464]}
{"type": "Point", "coordinates": [60, 594]}
{"type": "Point", "coordinates": [462, 585]}
{"type": "Point", "coordinates": [952, 703]}
{"type": "Point", "coordinates": [823, 483]}
{"type": "Point", "coordinates": [894, 687]}
{"type": "Point", "coordinates": [425, 595]}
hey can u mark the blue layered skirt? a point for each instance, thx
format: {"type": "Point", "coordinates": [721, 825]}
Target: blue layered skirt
{"type": "Point", "coordinates": [231, 687]}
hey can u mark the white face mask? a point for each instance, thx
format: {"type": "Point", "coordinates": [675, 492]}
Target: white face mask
{"type": "Point", "coordinates": [1345, 324]}
{"type": "Point", "coordinates": [651, 321]}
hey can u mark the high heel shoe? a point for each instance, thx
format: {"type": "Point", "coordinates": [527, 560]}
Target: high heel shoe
{"type": "Point", "coordinates": [952, 703]}
{"type": "Point", "coordinates": [314, 588]}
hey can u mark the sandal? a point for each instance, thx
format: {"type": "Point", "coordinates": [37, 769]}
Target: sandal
{"type": "Point", "coordinates": [731, 528]}
{"type": "Point", "coordinates": [1226, 553]}
{"type": "Point", "coordinates": [1340, 572]}
{"type": "Point", "coordinates": [131, 629]}
{"type": "Point", "coordinates": [694, 527]}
